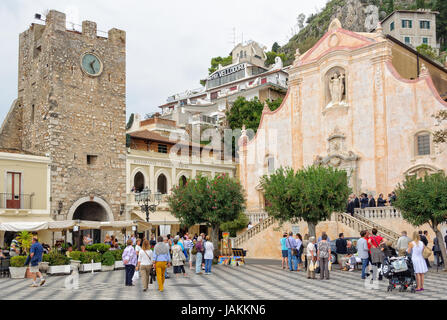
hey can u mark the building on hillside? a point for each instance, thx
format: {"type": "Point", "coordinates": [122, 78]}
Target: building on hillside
{"type": "Point", "coordinates": [412, 27]}
{"type": "Point", "coordinates": [71, 107]}
{"type": "Point", "coordinates": [247, 77]}
{"type": "Point", "coordinates": [350, 105]}
{"type": "Point", "coordinates": [160, 163]}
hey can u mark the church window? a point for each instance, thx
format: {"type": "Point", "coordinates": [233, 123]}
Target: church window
{"type": "Point", "coordinates": [271, 164]}
{"type": "Point", "coordinates": [423, 144]}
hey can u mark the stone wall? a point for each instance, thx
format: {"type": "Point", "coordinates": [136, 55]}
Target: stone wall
{"type": "Point", "coordinates": [11, 130]}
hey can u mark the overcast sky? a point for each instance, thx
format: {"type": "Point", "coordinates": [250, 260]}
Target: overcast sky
{"type": "Point", "coordinates": [169, 42]}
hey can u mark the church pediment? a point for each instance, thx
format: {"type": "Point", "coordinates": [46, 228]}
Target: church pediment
{"type": "Point", "coordinates": [336, 39]}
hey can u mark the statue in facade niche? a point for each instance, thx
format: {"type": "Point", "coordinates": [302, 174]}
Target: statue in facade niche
{"type": "Point", "coordinates": [336, 88]}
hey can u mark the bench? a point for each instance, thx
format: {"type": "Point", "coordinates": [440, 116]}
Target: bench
{"type": "Point", "coordinates": [239, 252]}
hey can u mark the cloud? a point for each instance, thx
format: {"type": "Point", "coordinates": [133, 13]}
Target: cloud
{"type": "Point", "coordinates": [169, 43]}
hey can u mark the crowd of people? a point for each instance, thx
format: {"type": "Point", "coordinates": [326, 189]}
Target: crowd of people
{"type": "Point", "coordinates": [167, 251]}
{"type": "Point", "coordinates": [370, 250]}
{"type": "Point", "coordinates": [366, 201]}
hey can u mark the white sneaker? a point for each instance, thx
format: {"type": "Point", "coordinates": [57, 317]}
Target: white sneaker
{"type": "Point", "coordinates": [351, 269]}
{"type": "Point", "coordinates": [34, 285]}
{"type": "Point", "coordinates": [42, 282]}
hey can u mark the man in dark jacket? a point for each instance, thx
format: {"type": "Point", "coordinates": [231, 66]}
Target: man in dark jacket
{"type": "Point", "coordinates": [341, 249]}
{"type": "Point", "coordinates": [425, 241]}
{"type": "Point", "coordinates": [351, 206]}
{"type": "Point", "coordinates": [363, 200]}
{"type": "Point", "coordinates": [356, 202]}
{"type": "Point", "coordinates": [371, 201]}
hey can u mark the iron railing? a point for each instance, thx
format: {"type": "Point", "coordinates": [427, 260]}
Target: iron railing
{"type": "Point", "coordinates": [16, 201]}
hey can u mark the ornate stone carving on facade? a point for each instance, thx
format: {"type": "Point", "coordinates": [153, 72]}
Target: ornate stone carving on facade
{"type": "Point", "coordinates": [338, 157]}
{"type": "Point", "coordinates": [335, 24]}
{"type": "Point", "coordinates": [424, 71]}
{"type": "Point", "coordinates": [243, 139]}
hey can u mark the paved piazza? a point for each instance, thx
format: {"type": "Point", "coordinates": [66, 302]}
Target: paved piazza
{"type": "Point", "coordinates": [256, 280]}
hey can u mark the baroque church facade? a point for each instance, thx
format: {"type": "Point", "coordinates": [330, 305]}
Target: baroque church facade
{"type": "Point", "coordinates": [349, 107]}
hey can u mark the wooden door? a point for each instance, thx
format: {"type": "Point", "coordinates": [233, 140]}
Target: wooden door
{"type": "Point", "coordinates": [14, 190]}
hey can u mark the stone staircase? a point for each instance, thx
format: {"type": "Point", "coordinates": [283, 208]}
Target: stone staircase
{"type": "Point", "coordinates": [357, 223]}
{"type": "Point", "coordinates": [250, 233]}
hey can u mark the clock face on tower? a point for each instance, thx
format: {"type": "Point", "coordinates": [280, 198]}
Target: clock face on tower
{"type": "Point", "coordinates": [91, 64]}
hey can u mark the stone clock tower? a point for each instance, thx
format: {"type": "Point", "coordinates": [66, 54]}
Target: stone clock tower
{"type": "Point", "coordinates": [72, 106]}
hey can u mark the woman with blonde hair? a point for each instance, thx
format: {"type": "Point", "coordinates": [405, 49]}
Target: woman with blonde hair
{"type": "Point", "coordinates": [416, 247]}
{"type": "Point", "coordinates": [145, 263]}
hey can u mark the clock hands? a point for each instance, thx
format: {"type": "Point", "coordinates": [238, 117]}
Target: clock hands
{"type": "Point", "coordinates": [91, 66]}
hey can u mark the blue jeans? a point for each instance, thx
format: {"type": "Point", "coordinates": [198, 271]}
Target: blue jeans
{"type": "Point", "coordinates": [130, 270]}
{"type": "Point", "coordinates": [365, 263]}
{"type": "Point", "coordinates": [208, 264]}
{"type": "Point", "coordinates": [292, 261]}
{"type": "Point", "coordinates": [198, 262]}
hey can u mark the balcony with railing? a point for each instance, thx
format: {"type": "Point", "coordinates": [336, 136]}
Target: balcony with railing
{"type": "Point", "coordinates": [16, 201]}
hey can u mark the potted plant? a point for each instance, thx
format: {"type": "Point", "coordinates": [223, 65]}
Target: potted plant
{"type": "Point", "coordinates": [17, 267]}
{"type": "Point", "coordinates": [107, 261]}
{"type": "Point", "coordinates": [25, 239]}
{"type": "Point", "coordinates": [75, 260]}
{"type": "Point", "coordinates": [58, 263]}
{"type": "Point", "coordinates": [118, 258]}
{"type": "Point", "coordinates": [86, 261]}
{"type": "Point", "coordinates": [98, 247]}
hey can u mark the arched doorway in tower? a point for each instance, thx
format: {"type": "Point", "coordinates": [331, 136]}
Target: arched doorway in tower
{"type": "Point", "coordinates": [138, 182]}
{"type": "Point", "coordinates": [162, 184]}
{"type": "Point", "coordinates": [90, 211]}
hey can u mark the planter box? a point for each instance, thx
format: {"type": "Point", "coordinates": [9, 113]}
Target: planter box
{"type": "Point", "coordinates": [107, 268]}
{"type": "Point", "coordinates": [119, 265]}
{"type": "Point", "coordinates": [59, 269]}
{"type": "Point", "coordinates": [88, 267]}
{"type": "Point", "coordinates": [18, 272]}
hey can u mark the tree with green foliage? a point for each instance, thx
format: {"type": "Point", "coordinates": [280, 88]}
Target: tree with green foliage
{"type": "Point", "coordinates": [424, 200]}
{"type": "Point", "coordinates": [25, 239]}
{"type": "Point", "coordinates": [276, 47]}
{"type": "Point", "coordinates": [234, 226]}
{"type": "Point", "coordinates": [130, 122]}
{"type": "Point", "coordinates": [210, 201]}
{"type": "Point", "coordinates": [420, 4]}
{"type": "Point", "coordinates": [427, 50]}
{"type": "Point", "coordinates": [248, 112]}
{"type": "Point", "coordinates": [441, 22]}
{"type": "Point", "coordinates": [271, 56]}
{"type": "Point", "coordinates": [390, 7]}
{"type": "Point", "coordinates": [225, 61]}
{"type": "Point", "coordinates": [311, 194]}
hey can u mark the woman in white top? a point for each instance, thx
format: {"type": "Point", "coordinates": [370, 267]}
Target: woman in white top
{"type": "Point", "coordinates": [311, 254]}
{"type": "Point", "coordinates": [145, 263]}
{"type": "Point", "coordinates": [416, 247]}
{"type": "Point", "coordinates": [137, 246]}
{"type": "Point", "coordinates": [209, 255]}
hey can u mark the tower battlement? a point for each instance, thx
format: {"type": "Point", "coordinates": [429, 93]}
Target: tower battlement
{"type": "Point", "coordinates": [56, 21]}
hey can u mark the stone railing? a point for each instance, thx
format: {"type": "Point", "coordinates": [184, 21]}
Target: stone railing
{"type": "Point", "coordinates": [256, 217]}
{"type": "Point", "coordinates": [359, 224]}
{"type": "Point", "coordinates": [378, 212]}
{"type": "Point", "coordinates": [250, 233]}
{"type": "Point", "coordinates": [374, 224]}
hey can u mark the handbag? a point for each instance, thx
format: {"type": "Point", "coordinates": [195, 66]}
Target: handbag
{"type": "Point", "coordinates": [136, 276]}
{"type": "Point", "coordinates": [311, 266]}
{"type": "Point", "coordinates": [426, 253]}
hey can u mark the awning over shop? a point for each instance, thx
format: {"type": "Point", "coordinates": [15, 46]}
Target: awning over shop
{"type": "Point", "coordinates": [23, 226]}
{"type": "Point", "coordinates": [155, 218]}
{"type": "Point", "coordinates": [69, 224]}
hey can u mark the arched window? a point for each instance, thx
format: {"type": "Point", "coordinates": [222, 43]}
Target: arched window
{"type": "Point", "coordinates": [162, 184]}
{"type": "Point", "coordinates": [422, 141]}
{"type": "Point", "coordinates": [271, 165]}
{"type": "Point", "coordinates": [182, 181]}
{"type": "Point", "coordinates": [138, 182]}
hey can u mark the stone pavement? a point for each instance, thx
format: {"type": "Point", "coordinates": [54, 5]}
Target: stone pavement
{"type": "Point", "coordinates": [256, 280]}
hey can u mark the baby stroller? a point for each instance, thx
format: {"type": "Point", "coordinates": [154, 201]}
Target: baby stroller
{"type": "Point", "coordinates": [400, 272]}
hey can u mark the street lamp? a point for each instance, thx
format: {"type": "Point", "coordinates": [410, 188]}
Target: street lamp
{"type": "Point", "coordinates": [144, 199]}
